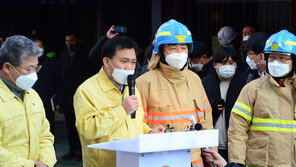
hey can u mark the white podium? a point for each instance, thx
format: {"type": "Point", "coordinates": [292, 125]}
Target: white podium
{"type": "Point", "coordinates": [159, 150]}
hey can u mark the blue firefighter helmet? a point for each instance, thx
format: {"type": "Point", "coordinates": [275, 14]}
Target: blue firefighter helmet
{"type": "Point", "coordinates": [172, 32]}
{"type": "Point", "coordinates": [282, 42]}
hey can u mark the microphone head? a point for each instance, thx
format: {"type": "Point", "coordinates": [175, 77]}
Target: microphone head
{"type": "Point", "coordinates": [130, 79]}
{"type": "Point", "coordinates": [198, 126]}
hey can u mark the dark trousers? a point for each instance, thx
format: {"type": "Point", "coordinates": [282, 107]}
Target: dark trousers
{"type": "Point", "coordinates": [224, 153]}
{"type": "Point", "coordinates": [73, 137]}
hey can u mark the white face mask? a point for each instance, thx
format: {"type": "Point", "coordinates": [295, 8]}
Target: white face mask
{"type": "Point", "coordinates": [120, 75]}
{"type": "Point", "coordinates": [25, 82]}
{"type": "Point", "coordinates": [252, 63]}
{"type": "Point", "coordinates": [177, 60]}
{"type": "Point", "coordinates": [246, 38]}
{"type": "Point", "coordinates": [197, 67]}
{"type": "Point", "coordinates": [226, 71]}
{"type": "Point", "coordinates": [278, 69]}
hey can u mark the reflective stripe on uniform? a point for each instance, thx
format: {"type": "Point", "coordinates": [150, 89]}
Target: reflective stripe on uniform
{"type": "Point", "coordinates": [175, 116]}
{"type": "Point", "coordinates": [206, 105]}
{"type": "Point", "coordinates": [172, 116]}
{"type": "Point", "coordinates": [275, 125]}
{"type": "Point", "coordinates": [242, 110]}
{"type": "Point", "coordinates": [145, 114]}
{"type": "Point", "coordinates": [198, 163]}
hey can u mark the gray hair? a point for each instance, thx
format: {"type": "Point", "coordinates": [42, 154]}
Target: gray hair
{"type": "Point", "coordinates": [16, 48]}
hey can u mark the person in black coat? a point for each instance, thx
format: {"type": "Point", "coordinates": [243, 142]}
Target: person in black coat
{"type": "Point", "coordinates": [48, 82]}
{"type": "Point", "coordinates": [73, 63]}
{"type": "Point", "coordinates": [200, 60]}
{"type": "Point", "coordinates": [223, 87]}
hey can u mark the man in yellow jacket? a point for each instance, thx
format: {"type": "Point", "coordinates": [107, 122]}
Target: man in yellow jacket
{"type": "Point", "coordinates": [103, 108]}
{"type": "Point", "coordinates": [171, 93]}
{"type": "Point", "coordinates": [25, 139]}
{"type": "Point", "coordinates": [262, 123]}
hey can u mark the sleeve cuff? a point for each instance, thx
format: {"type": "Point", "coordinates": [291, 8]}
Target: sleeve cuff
{"type": "Point", "coordinates": [29, 163]}
{"type": "Point", "coordinates": [146, 128]}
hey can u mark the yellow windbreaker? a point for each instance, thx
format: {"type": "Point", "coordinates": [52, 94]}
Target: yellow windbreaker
{"type": "Point", "coordinates": [101, 118]}
{"type": "Point", "coordinates": [170, 96]}
{"type": "Point", "coordinates": [24, 130]}
{"type": "Point", "coordinates": [262, 124]}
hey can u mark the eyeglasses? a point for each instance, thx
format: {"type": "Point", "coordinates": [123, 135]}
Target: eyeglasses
{"type": "Point", "coordinates": [32, 69]}
{"type": "Point", "coordinates": [280, 59]}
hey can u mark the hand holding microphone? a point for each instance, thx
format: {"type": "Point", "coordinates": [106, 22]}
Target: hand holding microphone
{"type": "Point", "coordinates": [130, 104]}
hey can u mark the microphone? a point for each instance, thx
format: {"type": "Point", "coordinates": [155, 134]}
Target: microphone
{"type": "Point", "coordinates": [131, 89]}
{"type": "Point", "coordinates": [195, 125]}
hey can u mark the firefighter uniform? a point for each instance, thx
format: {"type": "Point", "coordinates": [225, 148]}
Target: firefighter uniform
{"type": "Point", "coordinates": [262, 124]}
{"type": "Point", "coordinates": [171, 96]}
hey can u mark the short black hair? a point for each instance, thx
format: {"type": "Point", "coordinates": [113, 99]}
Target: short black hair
{"type": "Point", "coordinates": [117, 43]}
{"type": "Point", "coordinates": [200, 49]}
{"type": "Point", "coordinates": [225, 52]}
{"type": "Point", "coordinates": [252, 25]}
{"type": "Point", "coordinates": [256, 42]}
{"type": "Point", "coordinates": [35, 38]}
{"type": "Point", "coordinates": [73, 32]}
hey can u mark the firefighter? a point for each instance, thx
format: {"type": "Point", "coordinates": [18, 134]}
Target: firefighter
{"type": "Point", "coordinates": [261, 129]}
{"type": "Point", "coordinates": [170, 92]}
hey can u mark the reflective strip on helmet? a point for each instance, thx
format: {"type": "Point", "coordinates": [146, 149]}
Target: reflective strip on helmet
{"type": "Point", "coordinates": [198, 163]}
{"type": "Point", "coordinates": [165, 33]}
{"type": "Point", "coordinates": [290, 43]}
{"type": "Point", "coordinates": [267, 41]}
{"type": "Point", "coordinates": [188, 32]}
{"type": "Point", "coordinates": [275, 125]}
{"type": "Point", "coordinates": [242, 110]}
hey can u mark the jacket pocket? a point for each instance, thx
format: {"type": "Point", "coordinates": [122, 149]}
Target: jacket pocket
{"type": "Point", "coordinates": [257, 152]}
{"type": "Point", "coordinates": [14, 129]}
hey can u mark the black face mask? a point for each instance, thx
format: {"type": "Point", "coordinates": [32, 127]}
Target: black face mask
{"type": "Point", "coordinates": [72, 47]}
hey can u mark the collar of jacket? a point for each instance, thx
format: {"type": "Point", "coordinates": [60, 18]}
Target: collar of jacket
{"type": "Point", "coordinates": [153, 61]}
{"type": "Point", "coordinates": [104, 80]}
{"type": "Point", "coordinates": [5, 92]}
{"type": "Point", "coordinates": [287, 81]}
{"type": "Point", "coordinates": [173, 74]}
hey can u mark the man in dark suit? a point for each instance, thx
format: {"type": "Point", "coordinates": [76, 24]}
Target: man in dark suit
{"type": "Point", "coordinates": [73, 62]}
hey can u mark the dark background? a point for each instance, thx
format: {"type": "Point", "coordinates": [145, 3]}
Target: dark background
{"type": "Point", "coordinates": [51, 19]}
